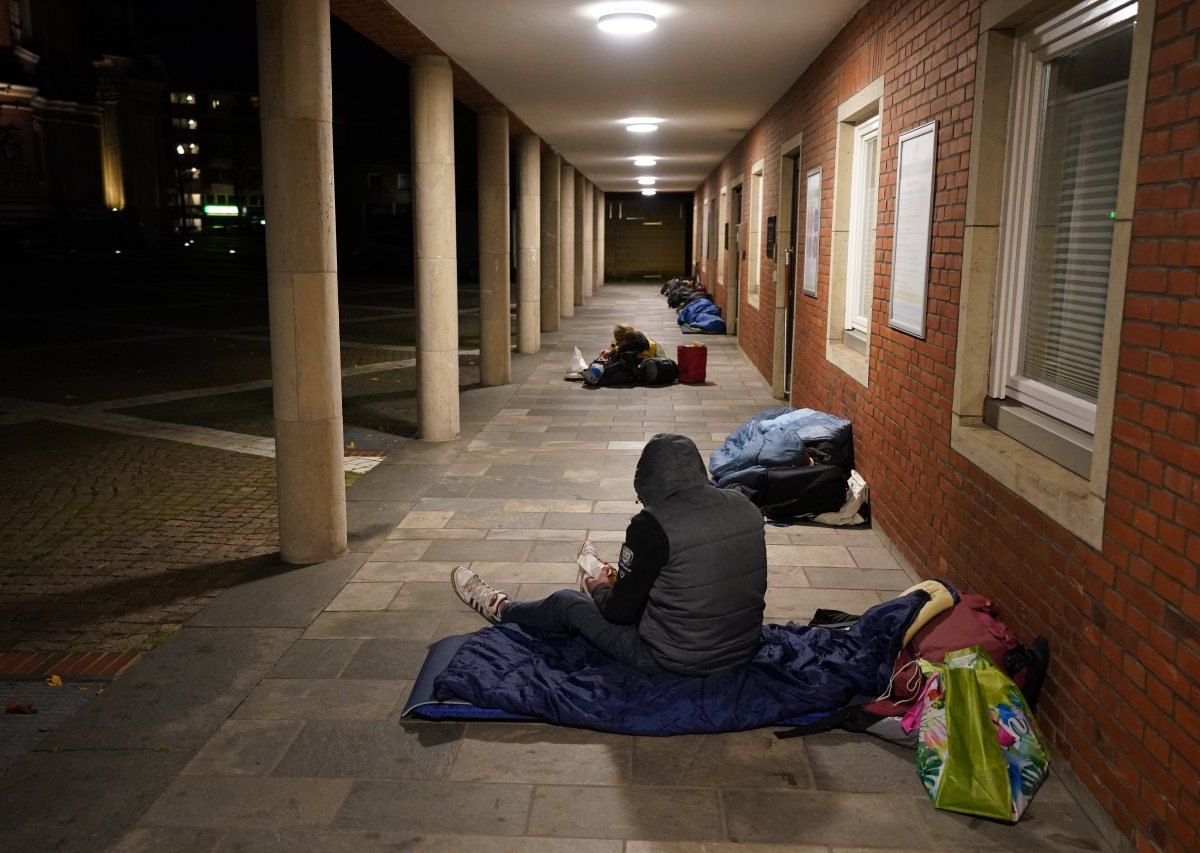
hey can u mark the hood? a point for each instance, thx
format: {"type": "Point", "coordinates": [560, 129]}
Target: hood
{"type": "Point", "coordinates": [669, 463]}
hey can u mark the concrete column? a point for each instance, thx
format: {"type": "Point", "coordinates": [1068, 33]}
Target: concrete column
{"type": "Point", "coordinates": [495, 326]}
{"type": "Point", "coordinates": [551, 190]}
{"type": "Point", "coordinates": [529, 244]}
{"type": "Point", "coordinates": [296, 112]}
{"type": "Point", "coordinates": [566, 242]}
{"type": "Point", "coordinates": [589, 236]}
{"type": "Point", "coordinates": [598, 227]}
{"type": "Point", "coordinates": [579, 266]}
{"type": "Point", "coordinates": [432, 95]}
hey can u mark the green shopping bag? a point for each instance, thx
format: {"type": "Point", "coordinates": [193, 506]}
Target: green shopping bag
{"type": "Point", "coordinates": [978, 751]}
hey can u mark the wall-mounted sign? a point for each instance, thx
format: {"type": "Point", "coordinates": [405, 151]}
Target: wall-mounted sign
{"type": "Point", "coordinates": [771, 237]}
{"type": "Point", "coordinates": [914, 222]}
{"type": "Point", "coordinates": [812, 231]}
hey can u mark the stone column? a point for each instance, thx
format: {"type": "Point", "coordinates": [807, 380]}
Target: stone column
{"type": "Point", "coordinates": [551, 189]}
{"type": "Point", "coordinates": [296, 112]}
{"type": "Point", "coordinates": [432, 95]}
{"type": "Point", "coordinates": [495, 327]}
{"type": "Point", "coordinates": [529, 243]}
{"type": "Point", "coordinates": [598, 227]}
{"type": "Point", "coordinates": [589, 236]}
{"type": "Point", "coordinates": [580, 252]}
{"type": "Point", "coordinates": [566, 242]}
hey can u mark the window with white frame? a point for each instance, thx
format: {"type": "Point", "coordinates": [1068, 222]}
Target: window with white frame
{"type": "Point", "coordinates": [1070, 83]}
{"type": "Point", "coordinates": [864, 204]}
{"type": "Point", "coordinates": [754, 243]}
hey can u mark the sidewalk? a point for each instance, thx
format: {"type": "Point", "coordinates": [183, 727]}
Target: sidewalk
{"type": "Point", "coordinates": [271, 720]}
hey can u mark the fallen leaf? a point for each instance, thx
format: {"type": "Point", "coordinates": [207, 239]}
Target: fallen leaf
{"type": "Point", "coordinates": [18, 708]}
{"type": "Point", "coordinates": [54, 681]}
{"type": "Point", "coordinates": [350, 445]}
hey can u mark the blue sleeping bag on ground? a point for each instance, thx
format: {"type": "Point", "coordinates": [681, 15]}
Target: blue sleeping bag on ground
{"type": "Point", "coordinates": [702, 315]}
{"type": "Point", "coordinates": [774, 438]}
{"type": "Point", "coordinates": [797, 672]}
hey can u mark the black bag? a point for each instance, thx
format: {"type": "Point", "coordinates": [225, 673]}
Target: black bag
{"type": "Point", "coordinates": [657, 371]}
{"type": "Point", "coordinates": [791, 492]}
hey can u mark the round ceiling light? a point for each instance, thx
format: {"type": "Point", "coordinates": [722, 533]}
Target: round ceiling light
{"type": "Point", "coordinates": [641, 127]}
{"type": "Point", "coordinates": [646, 182]}
{"type": "Point", "coordinates": [649, 192]}
{"type": "Point", "coordinates": [627, 23]}
{"type": "Point", "coordinates": [644, 161]}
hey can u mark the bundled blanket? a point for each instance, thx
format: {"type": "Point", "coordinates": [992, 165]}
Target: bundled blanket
{"type": "Point", "coordinates": [701, 315]}
{"type": "Point", "coordinates": [798, 671]}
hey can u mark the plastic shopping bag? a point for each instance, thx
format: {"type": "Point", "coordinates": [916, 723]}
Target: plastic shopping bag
{"type": "Point", "coordinates": [979, 751]}
{"type": "Point", "coordinates": [578, 364]}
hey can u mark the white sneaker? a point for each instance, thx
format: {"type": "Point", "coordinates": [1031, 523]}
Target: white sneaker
{"type": "Point", "coordinates": [476, 594]}
{"type": "Point", "coordinates": [590, 564]}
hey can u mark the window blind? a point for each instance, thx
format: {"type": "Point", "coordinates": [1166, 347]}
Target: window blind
{"type": "Point", "coordinates": [1071, 235]}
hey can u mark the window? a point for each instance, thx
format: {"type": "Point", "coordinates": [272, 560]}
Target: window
{"type": "Point", "coordinates": [374, 181]}
{"type": "Point", "coordinates": [754, 244]}
{"type": "Point", "coordinates": [722, 234]}
{"type": "Point", "coordinates": [16, 21]}
{"type": "Point", "coordinates": [864, 203]}
{"type": "Point", "coordinates": [1059, 101]}
{"type": "Point", "coordinates": [1060, 210]}
{"type": "Point", "coordinates": [852, 240]}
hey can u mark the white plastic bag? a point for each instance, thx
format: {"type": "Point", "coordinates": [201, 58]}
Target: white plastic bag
{"type": "Point", "coordinates": [577, 364]}
{"type": "Point", "coordinates": [856, 496]}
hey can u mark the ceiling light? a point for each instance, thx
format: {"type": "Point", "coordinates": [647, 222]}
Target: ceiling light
{"type": "Point", "coordinates": [644, 161]}
{"type": "Point", "coordinates": [649, 192]}
{"type": "Point", "coordinates": [641, 128]}
{"type": "Point", "coordinates": [646, 182]}
{"type": "Point", "coordinates": [627, 23]}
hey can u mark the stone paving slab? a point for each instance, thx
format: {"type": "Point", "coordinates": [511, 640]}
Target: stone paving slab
{"type": "Point", "coordinates": [80, 801]}
{"type": "Point", "coordinates": [176, 698]}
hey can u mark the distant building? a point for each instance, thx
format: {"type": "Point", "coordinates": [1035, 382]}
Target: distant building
{"type": "Point", "coordinates": [215, 157]}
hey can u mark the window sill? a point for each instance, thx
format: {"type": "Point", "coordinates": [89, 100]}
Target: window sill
{"type": "Point", "coordinates": [752, 299]}
{"type": "Point", "coordinates": [1068, 446]}
{"type": "Point", "coordinates": [848, 360]}
{"type": "Point", "coordinates": [1062, 495]}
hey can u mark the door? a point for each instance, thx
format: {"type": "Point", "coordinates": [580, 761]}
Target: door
{"type": "Point", "coordinates": [789, 278]}
{"type": "Point", "coordinates": [736, 255]}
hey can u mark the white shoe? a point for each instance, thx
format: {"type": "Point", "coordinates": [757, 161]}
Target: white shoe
{"type": "Point", "coordinates": [590, 564]}
{"type": "Point", "coordinates": [476, 594]}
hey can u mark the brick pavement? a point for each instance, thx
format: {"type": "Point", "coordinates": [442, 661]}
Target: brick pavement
{"type": "Point", "coordinates": [110, 542]}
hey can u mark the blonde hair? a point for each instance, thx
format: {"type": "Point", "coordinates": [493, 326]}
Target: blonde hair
{"type": "Point", "coordinates": [623, 332]}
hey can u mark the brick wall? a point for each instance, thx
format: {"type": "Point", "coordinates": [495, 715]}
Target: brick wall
{"type": "Point", "coordinates": [1124, 621]}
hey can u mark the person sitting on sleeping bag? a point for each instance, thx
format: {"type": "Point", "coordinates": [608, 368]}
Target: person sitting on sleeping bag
{"type": "Point", "coordinates": [691, 578]}
{"type": "Point", "coordinates": [617, 364]}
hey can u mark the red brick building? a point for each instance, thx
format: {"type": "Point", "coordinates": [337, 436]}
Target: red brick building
{"type": "Point", "coordinates": [1026, 412]}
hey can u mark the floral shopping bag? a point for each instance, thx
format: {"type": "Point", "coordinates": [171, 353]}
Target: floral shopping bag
{"type": "Point", "coordinates": [979, 750]}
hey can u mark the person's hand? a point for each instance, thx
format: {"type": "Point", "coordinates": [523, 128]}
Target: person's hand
{"type": "Point", "coordinates": [604, 355]}
{"type": "Point", "coordinates": [603, 579]}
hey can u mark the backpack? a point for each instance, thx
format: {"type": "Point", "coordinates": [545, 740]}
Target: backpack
{"type": "Point", "coordinates": [657, 371]}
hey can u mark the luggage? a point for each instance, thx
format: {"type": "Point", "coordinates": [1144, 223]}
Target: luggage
{"type": "Point", "coordinates": [693, 362]}
{"type": "Point", "coordinates": [657, 371]}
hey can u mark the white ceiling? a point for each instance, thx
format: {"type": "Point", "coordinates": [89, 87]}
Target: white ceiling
{"type": "Point", "coordinates": [710, 70]}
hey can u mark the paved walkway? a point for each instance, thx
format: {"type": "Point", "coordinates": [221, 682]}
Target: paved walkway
{"type": "Point", "coordinates": [271, 720]}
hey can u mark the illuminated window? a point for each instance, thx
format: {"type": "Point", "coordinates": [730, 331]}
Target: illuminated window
{"type": "Point", "coordinates": [215, 103]}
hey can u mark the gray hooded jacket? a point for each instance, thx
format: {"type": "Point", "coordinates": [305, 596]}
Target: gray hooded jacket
{"type": "Point", "coordinates": [706, 607]}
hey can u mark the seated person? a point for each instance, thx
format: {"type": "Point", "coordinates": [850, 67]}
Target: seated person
{"type": "Point", "coordinates": [617, 364]}
{"type": "Point", "coordinates": [628, 341]}
{"type": "Point", "coordinates": [691, 578]}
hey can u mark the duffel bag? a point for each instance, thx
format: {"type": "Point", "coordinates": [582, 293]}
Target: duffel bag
{"type": "Point", "coordinates": [657, 371]}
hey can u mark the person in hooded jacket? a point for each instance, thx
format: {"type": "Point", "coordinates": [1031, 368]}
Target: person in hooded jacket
{"type": "Point", "coordinates": [690, 581]}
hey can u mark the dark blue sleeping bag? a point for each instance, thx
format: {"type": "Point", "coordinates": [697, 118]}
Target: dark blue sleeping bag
{"type": "Point", "coordinates": [702, 315]}
{"type": "Point", "coordinates": [796, 672]}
